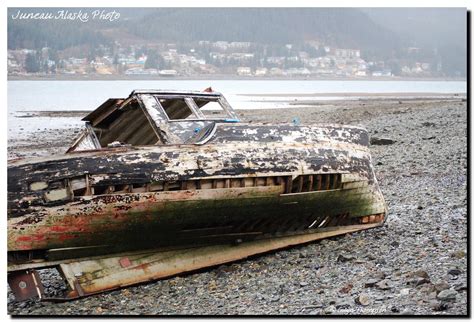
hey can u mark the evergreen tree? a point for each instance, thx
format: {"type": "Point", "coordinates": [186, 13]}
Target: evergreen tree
{"type": "Point", "coordinates": [45, 67]}
{"type": "Point", "coordinates": [320, 52]}
{"type": "Point", "coordinates": [32, 64]}
{"type": "Point", "coordinates": [152, 60]}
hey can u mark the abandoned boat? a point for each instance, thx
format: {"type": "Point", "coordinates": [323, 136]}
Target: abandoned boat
{"type": "Point", "coordinates": [164, 182]}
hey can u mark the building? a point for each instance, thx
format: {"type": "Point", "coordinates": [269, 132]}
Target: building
{"type": "Point", "coordinates": [244, 71]}
{"type": "Point", "coordinates": [347, 53]}
{"type": "Point", "coordinates": [261, 71]}
{"type": "Point", "coordinates": [276, 71]}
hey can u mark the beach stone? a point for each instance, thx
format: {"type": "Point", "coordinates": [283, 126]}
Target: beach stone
{"type": "Point", "coordinates": [381, 141]}
{"type": "Point", "coordinates": [347, 288]}
{"type": "Point", "coordinates": [362, 299]}
{"type": "Point", "coordinates": [441, 286]}
{"type": "Point", "coordinates": [370, 282]}
{"type": "Point", "coordinates": [439, 306]}
{"type": "Point", "coordinates": [447, 295]}
{"type": "Point", "coordinates": [418, 281]}
{"type": "Point", "coordinates": [454, 272]}
{"type": "Point", "coordinates": [458, 254]}
{"type": "Point", "coordinates": [404, 291]}
{"type": "Point", "coordinates": [344, 304]}
{"type": "Point", "coordinates": [461, 287]}
{"type": "Point", "coordinates": [344, 258]}
{"type": "Point", "coordinates": [422, 274]}
{"type": "Point", "coordinates": [383, 285]}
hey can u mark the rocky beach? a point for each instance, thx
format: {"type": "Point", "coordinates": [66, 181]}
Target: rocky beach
{"type": "Point", "coordinates": [416, 264]}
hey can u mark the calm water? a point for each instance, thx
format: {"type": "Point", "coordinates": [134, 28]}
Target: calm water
{"type": "Point", "coordinates": [87, 95]}
{"type": "Point", "coordinates": [241, 94]}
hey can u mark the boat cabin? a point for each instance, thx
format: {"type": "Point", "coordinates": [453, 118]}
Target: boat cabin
{"type": "Point", "coordinates": [150, 117]}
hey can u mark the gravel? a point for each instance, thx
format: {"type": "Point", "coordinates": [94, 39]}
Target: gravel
{"type": "Point", "coordinates": [415, 264]}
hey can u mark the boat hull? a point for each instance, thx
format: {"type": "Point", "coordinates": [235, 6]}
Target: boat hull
{"type": "Point", "coordinates": [187, 194]}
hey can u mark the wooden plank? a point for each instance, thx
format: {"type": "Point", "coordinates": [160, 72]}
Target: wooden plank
{"type": "Point", "coordinates": [109, 274]}
{"type": "Point", "coordinates": [288, 184]}
{"type": "Point", "coordinates": [336, 181]}
{"type": "Point", "coordinates": [45, 264]}
{"type": "Point", "coordinates": [116, 128]}
{"type": "Point", "coordinates": [132, 125]}
{"type": "Point", "coordinates": [89, 190]}
{"type": "Point", "coordinates": [318, 182]}
{"type": "Point", "coordinates": [300, 184]}
{"type": "Point", "coordinates": [310, 183]}
{"type": "Point", "coordinates": [268, 181]}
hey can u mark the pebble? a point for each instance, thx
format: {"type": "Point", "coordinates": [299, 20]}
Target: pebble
{"type": "Point", "coordinates": [439, 306]}
{"type": "Point", "coordinates": [461, 287]}
{"type": "Point", "coordinates": [344, 258]}
{"type": "Point", "coordinates": [370, 282]}
{"type": "Point", "coordinates": [454, 272]}
{"type": "Point", "coordinates": [458, 254]}
{"type": "Point", "coordinates": [422, 274]}
{"type": "Point", "coordinates": [381, 141]}
{"type": "Point", "coordinates": [404, 291]}
{"type": "Point", "coordinates": [447, 295]}
{"type": "Point", "coordinates": [418, 281]}
{"type": "Point", "coordinates": [383, 285]}
{"type": "Point", "coordinates": [441, 286]}
{"type": "Point", "coordinates": [362, 299]}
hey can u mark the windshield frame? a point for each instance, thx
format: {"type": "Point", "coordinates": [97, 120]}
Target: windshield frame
{"type": "Point", "coordinates": [197, 114]}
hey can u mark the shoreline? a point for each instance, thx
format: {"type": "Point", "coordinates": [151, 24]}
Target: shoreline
{"type": "Point", "coordinates": [291, 103]}
{"type": "Point", "coordinates": [356, 94]}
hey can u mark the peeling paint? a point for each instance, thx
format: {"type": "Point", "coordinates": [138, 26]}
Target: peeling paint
{"type": "Point", "coordinates": [187, 182]}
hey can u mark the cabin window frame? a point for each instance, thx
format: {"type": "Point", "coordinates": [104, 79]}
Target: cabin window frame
{"type": "Point", "coordinates": [195, 110]}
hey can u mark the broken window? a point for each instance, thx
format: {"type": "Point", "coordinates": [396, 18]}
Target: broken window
{"type": "Point", "coordinates": [195, 108]}
{"type": "Point", "coordinates": [176, 108]}
{"type": "Point", "coordinates": [128, 126]}
{"type": "Point", "coordinates": [211, 108]}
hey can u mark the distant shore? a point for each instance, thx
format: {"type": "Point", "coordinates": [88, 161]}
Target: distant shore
{"type": "Point", "coordinates": [356, 94]}
{"type": "Point", "coordinates": [74, 77]}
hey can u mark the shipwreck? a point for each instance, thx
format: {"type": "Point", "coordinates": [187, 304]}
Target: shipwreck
{"type": "Point", "coordinates": [165, 182]}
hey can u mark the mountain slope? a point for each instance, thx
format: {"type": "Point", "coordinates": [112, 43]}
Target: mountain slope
{"type": "Point", "coordinates": [343, 27]}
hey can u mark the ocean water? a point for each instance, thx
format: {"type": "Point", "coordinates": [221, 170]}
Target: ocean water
{"type": "Point", "coordinates": [24, 96]}
{"type": "Point", "coordinates": [87, 95]}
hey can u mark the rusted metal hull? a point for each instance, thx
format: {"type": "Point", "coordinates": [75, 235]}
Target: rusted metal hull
{"type": "Point", "coordinates": [309, 182]}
